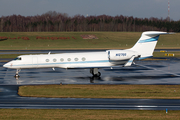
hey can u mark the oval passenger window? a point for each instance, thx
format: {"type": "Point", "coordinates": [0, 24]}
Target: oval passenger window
{"type": "Point", "coordinates": [83, 59]}
{"type": "Point", "coordinates": [54, 60]}
{"type": "Point", "coordinates": [76, 59]}
{"type": "Point", "coordinates": [69, 59]}
{"type": "Point", "coordinates": [61, 59]}
{"type": "Point", "coordinates": [47, 60]}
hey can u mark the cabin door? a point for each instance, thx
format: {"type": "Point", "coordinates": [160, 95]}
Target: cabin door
{"type": "Point", "coordinates": [35, 62]}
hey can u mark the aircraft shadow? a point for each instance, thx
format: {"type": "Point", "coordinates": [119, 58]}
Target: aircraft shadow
{"type": "Point", "coordinates": [156, 66]}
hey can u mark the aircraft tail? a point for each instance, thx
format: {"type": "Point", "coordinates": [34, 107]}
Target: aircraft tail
{"type": "Point", "coordinates": [146, 44]}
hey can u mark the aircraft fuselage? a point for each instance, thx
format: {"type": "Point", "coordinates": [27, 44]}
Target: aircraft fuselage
{"type": "Point", "coordinates": [72, 60]}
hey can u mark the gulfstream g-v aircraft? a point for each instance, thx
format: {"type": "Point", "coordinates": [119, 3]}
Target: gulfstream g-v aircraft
{"type": "Point", "coordinates": [143, 49]}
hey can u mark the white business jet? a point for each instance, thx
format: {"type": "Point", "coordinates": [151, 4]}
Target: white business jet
{"type": "Point", "coordinates": [143, 49]}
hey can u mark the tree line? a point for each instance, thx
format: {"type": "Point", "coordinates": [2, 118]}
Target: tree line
{"type": "Point", "coordinates": [56, 22]}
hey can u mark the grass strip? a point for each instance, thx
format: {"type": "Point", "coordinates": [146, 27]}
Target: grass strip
{"type": "Point", "coordinates": [51, 114]}
{"type": "Point", "coordinates": [106, 40]}
{"type": "Point", "coordinates": [102, 91]}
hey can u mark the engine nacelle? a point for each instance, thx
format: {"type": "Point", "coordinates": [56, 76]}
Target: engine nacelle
{"type": "Point", "coordinates": [121, 54]}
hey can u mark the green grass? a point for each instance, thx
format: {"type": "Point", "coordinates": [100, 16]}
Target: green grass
{"type": "Point", "coordinates": [107, 40]}
{"type": "Point", "coordinates": [48, 114]}
{"type": "Point", "coordinates": [102, 91]}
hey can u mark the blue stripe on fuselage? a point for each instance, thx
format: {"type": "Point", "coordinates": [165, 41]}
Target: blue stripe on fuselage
{"type": "Point", "coordinates": [80, 62]}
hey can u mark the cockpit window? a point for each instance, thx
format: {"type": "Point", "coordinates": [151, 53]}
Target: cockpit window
{"type": "Point", "coordinates": [18, 58]}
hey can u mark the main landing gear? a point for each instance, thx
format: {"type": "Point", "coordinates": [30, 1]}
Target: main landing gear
{"type": "Point", "coordinates": [17, 73]}
{"type": "Point", "coordinates": [95, 72]}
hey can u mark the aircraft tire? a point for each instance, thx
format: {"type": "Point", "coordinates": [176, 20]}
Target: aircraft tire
{"type": "Point", "coordinates": [97, 75]}
{"type": "Point", "coordinates": [17, 76]}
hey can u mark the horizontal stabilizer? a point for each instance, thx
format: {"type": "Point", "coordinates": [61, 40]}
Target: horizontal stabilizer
{"type": "Point", "coordinates": [129, 63]}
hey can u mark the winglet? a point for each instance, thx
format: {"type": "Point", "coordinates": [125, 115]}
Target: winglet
{"type": "Point", "coordinates": [129, 62]}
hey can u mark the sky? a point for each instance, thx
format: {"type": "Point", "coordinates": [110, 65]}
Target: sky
{"type": "Point", "coordinates": [135, 8]}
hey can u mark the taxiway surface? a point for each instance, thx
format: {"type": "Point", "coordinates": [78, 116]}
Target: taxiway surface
{"type": "Point", "coordinates": [10, 99]}
{"type": "Point", "coordinates": [164, 71]}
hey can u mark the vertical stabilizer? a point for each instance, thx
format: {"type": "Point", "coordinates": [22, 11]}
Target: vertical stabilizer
{"type": "Point", "coordinates": [146, 44]}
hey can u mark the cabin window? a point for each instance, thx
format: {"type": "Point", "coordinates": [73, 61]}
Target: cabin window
{"type": "Point", "coordinates": [61, 59]}
{"type": "Point", "coordinates": [47, 60]}
{"type": "Point", "coordinates": [76, 59]}
{"type": "Point", "coordinates": [18, 58]}
{"type": "Point", "coordinates": [54, 60]}
{"type": "Point", "coordinates": [69, 59]}
{"type": "Point", "coordinates": [83, 59]}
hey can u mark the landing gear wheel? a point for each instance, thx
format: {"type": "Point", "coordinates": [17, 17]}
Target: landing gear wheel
{"type": "Point", "coordinates": [97, 75]}
{"type": "Point", "coordinates": [16, 75]}
{"type": "Point", "coordinates": [95, 72]}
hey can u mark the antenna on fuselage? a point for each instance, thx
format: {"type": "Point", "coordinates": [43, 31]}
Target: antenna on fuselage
{"type": "Point", "coordinates": [49, 53]}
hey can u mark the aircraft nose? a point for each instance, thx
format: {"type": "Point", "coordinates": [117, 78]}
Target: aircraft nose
{"type": "Point", "coordinates": [6, 65]}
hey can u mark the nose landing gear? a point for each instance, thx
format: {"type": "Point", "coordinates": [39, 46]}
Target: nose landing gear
{"type": "Point", "coordinates": [17, 73]}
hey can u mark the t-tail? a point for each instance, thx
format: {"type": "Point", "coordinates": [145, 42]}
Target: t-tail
{"type": "Point", "coordinates": [146, 44]}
